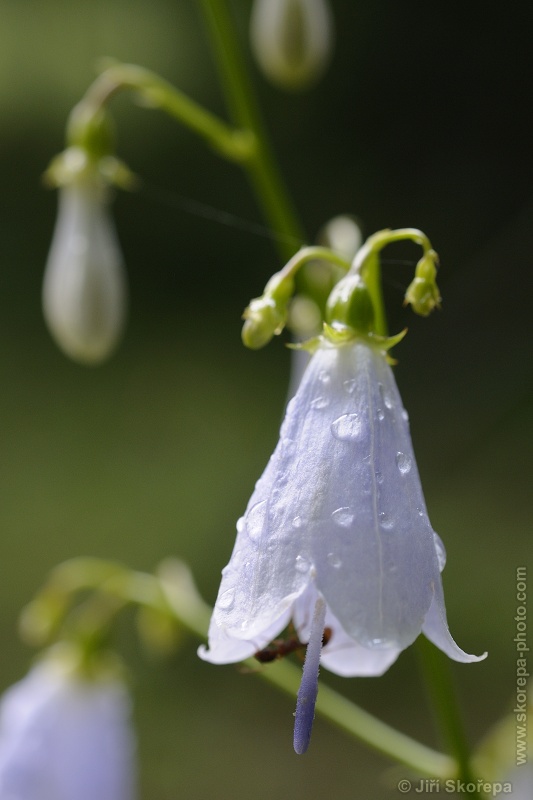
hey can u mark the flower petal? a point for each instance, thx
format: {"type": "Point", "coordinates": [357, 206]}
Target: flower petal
{"type": "Point", "coordinates": [341, 655]}
{"type": "Point", "coordinates": [225, 648]}
{"type": "Point", "coordinates": [353, 486]}
{"type": "Point", "coordinates": [436, 629]}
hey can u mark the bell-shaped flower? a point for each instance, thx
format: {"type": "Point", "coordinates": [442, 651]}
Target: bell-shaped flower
{"type": "Point", "coordinates": [336, 533]}
{"type": "Point", "coordinates": [84, 290]}
{"type": "Point", "coordinates": [66, 738]}
{"type": "Point", "coordinates": [291, 39]}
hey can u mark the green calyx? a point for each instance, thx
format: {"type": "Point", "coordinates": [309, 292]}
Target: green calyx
{"type": "Point", "coordinates": [89, 155]}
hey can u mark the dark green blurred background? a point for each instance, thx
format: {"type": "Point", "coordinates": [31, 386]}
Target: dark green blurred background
{"type": "Point", "coordinates": [422, 120]}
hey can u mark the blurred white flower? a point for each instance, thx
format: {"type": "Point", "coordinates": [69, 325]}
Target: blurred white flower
{"type": "Point", "coordinates": [292, 39]}
{"type": "Point", "coordinates": [84, 290]}
{"type": "Point", "coordinates": [65, 738]}
{"type": "Point", "coordinates": [337, 520]}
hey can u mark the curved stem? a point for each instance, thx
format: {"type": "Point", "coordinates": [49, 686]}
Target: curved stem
{"type": "Point", "coordinates": [235, 144]}
{"type": "Point", "coordinates": [307, 254]}
{"type": "Point", "coordinates": [367, 263]}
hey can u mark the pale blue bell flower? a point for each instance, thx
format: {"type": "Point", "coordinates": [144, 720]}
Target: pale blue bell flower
{"type": "Point", "coordinates": [337, 516]}
{"type": "Point", "coordinates": [84, 289]}
{"type": "Point", "coordinates": [66, 738]}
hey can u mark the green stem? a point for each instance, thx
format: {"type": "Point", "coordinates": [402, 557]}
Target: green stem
{"type": "Point", "coordinates": [307, 254]}
{"type": "Point", "coordinates": [234, 144]}
{"type": "Point", "coordinates": [172, 590]}
{"type": "Point", "coordinates": [367, 263]}
{"type": "Point", "coordinates": [261, 164]}
{"type": "Point", "coordinates": [190, 609]}
{"type": "Point", "coordinates": [441, 691]}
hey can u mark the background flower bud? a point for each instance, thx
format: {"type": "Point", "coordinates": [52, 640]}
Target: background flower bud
{"type": "Point", "coordinates": [291, 40]}
{"type": "Point", "coordinates": [84, 290]}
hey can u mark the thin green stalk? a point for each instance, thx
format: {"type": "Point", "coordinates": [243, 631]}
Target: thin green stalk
{"type": "Point", "coordinates": [235, 144]}
{"type": "Point", "coordinates": [443, 696]}
{"type": "Point", "coordinates": [261, 165]}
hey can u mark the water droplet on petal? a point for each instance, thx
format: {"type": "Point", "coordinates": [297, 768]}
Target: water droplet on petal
{"type": "Point", "coordinates": [347, 428]}
{"type": "Point", "coordinates": [302, 564]}
{"type": "Point", "coordinates": [240, 525]}
{"type": "Point", "coordinates": [405, 415]}
{"type": "Point", "coordinates": [226, 600]}
{"type": "Point", "coordinates": [255, 520]}
{"type": "Point", "coordinates": [379, 477]}
{"type": "Point", "coordinates": [319, 402]}
{"type": "Point", "coordinates": [385, 397]}
{"type": "Point", "coordinates": [349, 385]}
{"type": "Point", "coordinates": [385, 521]}
{"type": "Point", "coordinates": [324, 377]}
{"type": "Point", "coordinates": [380, 642]}
{"type": "Point", "coordinates": [297, 522]}
{"type": "Point", "coordinates": [343, 517]}
{"type": "Point", "coordinates": [404, 463]}
{"type": "Point", "coordinates": [381, 414]}
{"type": "Point", "coordinates": [420, 511]}
{"type": "Point", "coordinates": [334, 560]}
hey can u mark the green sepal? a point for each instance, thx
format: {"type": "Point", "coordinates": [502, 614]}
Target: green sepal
{"type": "Point", "coordinates": [310, 345]}
{"type": "Point", "coordinates": [76, 164]}
{"type": "Point", "coordinates": [340, 336]}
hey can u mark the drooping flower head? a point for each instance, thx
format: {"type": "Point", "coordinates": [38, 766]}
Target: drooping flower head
{"type": "Point", "coordinates": [84, 289]}
{"type": "Point", "coordinates": [64, 737]}
{"type": "Point", "coordinates": [336, 533]}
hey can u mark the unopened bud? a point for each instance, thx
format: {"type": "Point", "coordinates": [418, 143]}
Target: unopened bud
{"type": "Point", "coordinates": [292, 40]}
{"type": "Point", "coordinates": [350, 305]}
{"type": "Point", "coordinates": [423, 293]}
{"type": "Point", "coordinates": [263, 320]}
{"type": "Point", "coordinates": [84, 290]}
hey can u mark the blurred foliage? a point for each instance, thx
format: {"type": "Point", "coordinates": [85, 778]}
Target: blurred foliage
{"type": "Point", "coordinates": [421, 120]}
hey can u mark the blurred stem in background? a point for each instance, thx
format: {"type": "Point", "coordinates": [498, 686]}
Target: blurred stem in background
{"type": "Point", "coordinates": [261, 165]}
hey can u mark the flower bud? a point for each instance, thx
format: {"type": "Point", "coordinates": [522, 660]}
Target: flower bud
{"type": "Point", "coordinates": [291, 40]}
{"type": "Point", "coordinates": [84, 290]}
{"type": "Point", "coordinates": [350, 305]}
{"type": "Point", "coordinates": [423, 293]}
{"type": "Point", "coordinates": [263, 320]}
